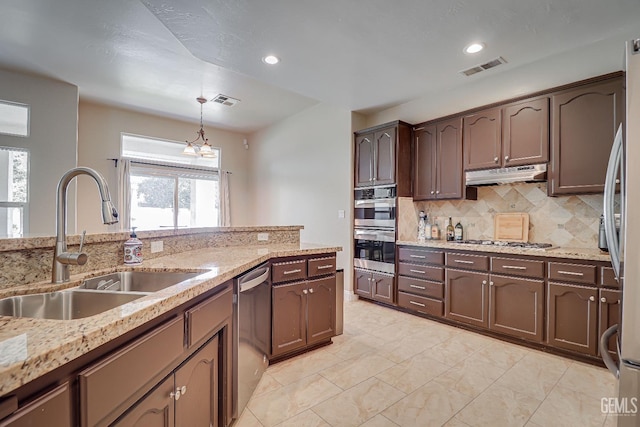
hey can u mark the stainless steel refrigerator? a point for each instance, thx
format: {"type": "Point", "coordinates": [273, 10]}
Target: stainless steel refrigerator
{"type": "Point", "coordinates": [624, 247]}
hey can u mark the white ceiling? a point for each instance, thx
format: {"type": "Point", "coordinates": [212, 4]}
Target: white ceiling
{"type": "Point", "coordinates": [363, 55]}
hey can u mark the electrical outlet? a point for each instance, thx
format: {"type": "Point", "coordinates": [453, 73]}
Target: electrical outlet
{"type": "Point", "coordinates": [263, 237]}
{"type": "Point", "coordinates": [157, 246]}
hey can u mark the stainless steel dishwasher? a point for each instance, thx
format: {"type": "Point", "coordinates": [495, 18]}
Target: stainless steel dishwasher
{"type": "Point", "coordinates": [252, 333]}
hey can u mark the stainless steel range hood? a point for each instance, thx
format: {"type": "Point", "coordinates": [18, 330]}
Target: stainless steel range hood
{"type": "Point", "coordinates": [529, 173]}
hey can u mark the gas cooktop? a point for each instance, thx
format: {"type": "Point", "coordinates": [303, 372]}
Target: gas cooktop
{"type": "Point", "coordinates": [541, 246]}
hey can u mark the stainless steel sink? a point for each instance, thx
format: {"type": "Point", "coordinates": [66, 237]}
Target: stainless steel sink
{"type": "Point", "coordinates": [64, 305]}
{"type": "Point", "coordinates": [136, 281]}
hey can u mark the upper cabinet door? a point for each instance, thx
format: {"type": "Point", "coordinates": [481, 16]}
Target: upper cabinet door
{"type": "Point", "coordinates": [525, 132]}
{"type": "Point", "coordinates": [364, 160]}
{"type": "Point", "coordinates": [482, 140]}
{"type": "Point", "coordinates": [384, 157]}
{"type": "Point", "coordinates": [449, 152]}
{"type": "Point", "coordinates": [424, 163]}
{"type": "Point", "coordinates": [584, 123]}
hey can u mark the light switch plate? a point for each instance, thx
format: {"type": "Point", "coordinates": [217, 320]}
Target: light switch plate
{"type": "Point", "coordinates": [263, 237]}
{"type": "Point", "coordinates": [341, 213]}
{"type": "Point", "coordinates": [157, 246]}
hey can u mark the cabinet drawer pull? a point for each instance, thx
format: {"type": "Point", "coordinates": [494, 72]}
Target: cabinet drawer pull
{"type": "Point", "coordinates": [417, 287]}
{"type": "Point", "coordinates": [513, 267]}
{"type": "Point", "coordinates": [570, 273]}
{"type": "Point", "coordinates": [417, 303]}
{"type": "Point", "coordinates": [461, 261]}
{"type": "Point", "coordinates": [322, 267]}
{"type": "Point", "coordinates": [418, 271]}
{"type": "Point", "coordinates": [417, 256]}
{"type": "Point", "coordinates": [297, 270]}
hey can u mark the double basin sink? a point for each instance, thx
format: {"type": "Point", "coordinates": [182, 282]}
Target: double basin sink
{"type": "Point", "coordinates": [93, 296]}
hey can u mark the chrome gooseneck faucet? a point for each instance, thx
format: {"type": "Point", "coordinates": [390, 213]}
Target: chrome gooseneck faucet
{"type": "Point", "coordinates": [61, 258]}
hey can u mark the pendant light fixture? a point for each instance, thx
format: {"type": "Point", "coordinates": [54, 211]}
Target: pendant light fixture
{"type": "Point", "coordinates": [199, 146]}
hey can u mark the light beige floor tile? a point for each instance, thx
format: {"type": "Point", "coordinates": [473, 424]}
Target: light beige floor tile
{"type": "Point", "coordinates": [453, 350]}
{"type": "Point", "coordinates": [267, 383]}
{"type": "Point", "coordinates": [499, 406]}
{"type": "Point", "coordinates": [567, 408]}
{"type": "Point", "coordinates": [430, 405]}
{"type": "Point", "coordinates": [277, 406]}
{"type": "Point", "coordinates": [407, 347]}
{"type": "Point", "coordinates": [413, 373]}
{"type": "Point", "coordinates": [503, 355]}
{"type": "Point", "coordinates": [247, 419]}
{"type": "Point", "coordinates": [353, 371]}
{"type": "Point", "coordinates": [302, 366]}
{"type": "Point", "coordinates": [358, 404]}
{"type": "Point", "coordinates": [470, 377]}
{"type": "Point", "coordinates": [535, 375]}
{"type": "Point", "coordinates": [454, 422]}
{"type": "Point", "coordinates": [304, 419]}
{"type": "Point", "coordinates": [356, 346]}
{"type": "Point", "coordinates": [591, 380]}
{"type": "Point", "coordinates": [379, 421]}
{"type": "Point", "coordinates": [611, 421]}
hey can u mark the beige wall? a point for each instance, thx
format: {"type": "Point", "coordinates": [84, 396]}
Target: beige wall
{"type": "Point", "coordinates": [302, 174]}
{"type": "Point", "coordinates": [99, 129]}
{"type": "Point", "coordinates": [51, 143]}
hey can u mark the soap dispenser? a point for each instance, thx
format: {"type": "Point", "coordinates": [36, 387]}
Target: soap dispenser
{"type": "Point", "coordinates": [133, 249]}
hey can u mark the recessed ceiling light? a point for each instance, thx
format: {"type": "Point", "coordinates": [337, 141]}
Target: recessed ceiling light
{"type": "Point", "coordinates": [474, 48]}
{"type": "Point", "coordinates": [271, 60]}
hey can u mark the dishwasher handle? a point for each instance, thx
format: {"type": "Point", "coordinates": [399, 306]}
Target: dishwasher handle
{"type": "Point", "coordinates": [252, 283]}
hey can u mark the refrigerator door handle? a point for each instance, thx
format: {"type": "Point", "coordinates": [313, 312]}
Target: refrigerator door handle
{"type": "Point", "coordinates": [604, 351]}
{"type": "Point", "coordinates": [609, 199]}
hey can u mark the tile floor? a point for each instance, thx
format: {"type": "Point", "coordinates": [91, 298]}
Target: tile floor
{"type": "Point", "coordinates": [392, 369]}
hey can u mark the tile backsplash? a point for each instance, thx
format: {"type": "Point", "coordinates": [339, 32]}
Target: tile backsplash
{"type": "Point", "coordinates": [567, 221]}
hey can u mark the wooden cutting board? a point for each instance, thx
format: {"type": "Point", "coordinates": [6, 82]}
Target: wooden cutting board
{"type": "Point", "coordinates": [513, 227]}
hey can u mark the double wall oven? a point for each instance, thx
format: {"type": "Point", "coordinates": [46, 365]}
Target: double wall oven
{"type": "Point", "coordinates": [374, 232]}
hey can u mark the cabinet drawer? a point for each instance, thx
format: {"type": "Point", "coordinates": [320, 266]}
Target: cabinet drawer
{"type": "Point", "coordinates": [608, 278]}
{"type": "Point", "coordinates": [518, 267]}
{"type": "Point", "coordinates": [114, 384]}
{"type": "Point", "coordinates": [580, 273]}
{"type": "Point", "coordinates": [421, 256]}
{"type": "Point", "coordinates": [205, 318]}
{"type": "Point", "coordinates": [420, 304]}
{"type": "Point", "coordinates": [51, 410]}
{"type": "Point", "coordinates": [466, 261]}
{"type": "Point", "coordinates": [288, 271]}
{"type": "Point", "coordinates": [421, 271]}
{"type": "Point", "coordinates": [421, 287]}
{"type": "Point", "coordinates": [321, 266]}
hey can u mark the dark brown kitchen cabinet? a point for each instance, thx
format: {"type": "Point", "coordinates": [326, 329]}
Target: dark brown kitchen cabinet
{"type": "Point", "coordinates": [438, 161]}
{"type": "Point", "coordinates": [372, 285]}
{"type": "Point", "coordinates": [52, 410]}
{"type": "Point", "coordinates": [609, 314]}
{"type": "Point", "coordinates": [517, 306]}
{"type": "Point", "coordinates": [525, 132]}
{"type": "Point", "coordinates": [155, 410]}
{"type": "Point", "coordinates": [466, 298]}
{"type": "Point", "coordinates": [321, 310]}
{"type": "Point", "coordinates": [584, 121]}
{"type": "Point", "coordinates": [383, 156]}
{"type": "Point", "coordinates": [482, 140]}
{"type": "Point", "coordinates": [572, 321]}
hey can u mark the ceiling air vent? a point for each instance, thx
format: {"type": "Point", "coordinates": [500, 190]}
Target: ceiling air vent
{"type": "Point", "coordinates": [478, 68]}
{"type": "Point", "coordinates": [225, 100]}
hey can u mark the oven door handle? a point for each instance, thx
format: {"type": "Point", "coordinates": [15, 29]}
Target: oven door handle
{"type": "Point", "coordinates": [383, 236]}
{"type": "Point", "coordinates": [375, 203]}
{"type": "Point", "coordinates": [250, 284]}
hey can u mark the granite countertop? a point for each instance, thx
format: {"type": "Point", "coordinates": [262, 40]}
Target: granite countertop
{"type": "Point", "coordinates": [30, 348]}
{"type": "Point", "coordinates": [554, 252]}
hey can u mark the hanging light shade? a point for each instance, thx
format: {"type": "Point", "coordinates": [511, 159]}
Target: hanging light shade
{"type": "Point", "coordinates": [199, 146]}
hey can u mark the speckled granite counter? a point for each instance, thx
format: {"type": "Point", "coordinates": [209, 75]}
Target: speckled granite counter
{"type": "Point", "coordinates": [30, 348]}
{"type": "Point", "coordinates": [574, 253]}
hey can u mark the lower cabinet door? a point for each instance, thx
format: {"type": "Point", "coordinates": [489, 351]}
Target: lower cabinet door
{"type": "Point", "coordinates": [382, 288]}
{"type": "Point", "coordinates": [321, 309]}
{"type": "Point", "coordinates": [154, 410]}
{"type": "Point", "coordinates": [609, 308]}
{"type": "Point", "coordinates": [362, 283]}
{"type": "Point", "coordinates": [572, 317]}
{"type": "Point", "coordinates": [517, 307]}
{"type": "Point", "coordinates": [51, 410]}
{"type": "Point", "coordinates": [289, 328]}
{"type": "Point", "coordinates": [197, 384]}
{"type": "Point", "coordinates": [466, 297]}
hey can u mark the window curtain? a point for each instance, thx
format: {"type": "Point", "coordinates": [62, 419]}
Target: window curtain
{"type": "Point", "coordinates": [124, 193]}
{"type": "Point", "coordinates": [225, 211]}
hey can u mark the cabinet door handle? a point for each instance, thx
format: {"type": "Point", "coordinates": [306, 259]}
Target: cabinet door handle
{"type": "Point", "coordinates": [495, 159]}
{"type": "Point", "coordinates": [513, 267]}
{"type": "Point", "coordinates": [603, 299]}
{"type": "Point", "coordinates": [461, 261]}
{"type": "Point", "coordinates": [417, 303]}
{"type": "Point", "coordinates": [304, 291]}
{"type": "Point", "coordinates": [592, 298]}
{"type": "Point", "coordinates": [310, 290]}
{"type": "Point", "coordinates": [433, 192]}
{"type": "Point", "coordinates": [175, 395]}
{"type": "Point", "coordinates": [417, 256]}
{"type": "Point", "coordinates": [417, 287]}
{"type": "Point", "coordinates": [437, 191]}
{"type": "Point", "coordinates": [570, 273]}
{"type": "Point", "coordinates": [484, 282]}
{"type": "Point", "coordinates": [297, 270]}
{"type": "Point", "coordinates": [506, 158]}
{"type": "Point", "coordinates": [418, 271]}
{"type": "Point", "coordinates": [322, 267]}
{"type": "Point", "coordinates": [490, 283]}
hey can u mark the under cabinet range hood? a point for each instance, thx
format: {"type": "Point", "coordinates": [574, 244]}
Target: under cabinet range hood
{"type": "Point", "coordinates": [529, 173]}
